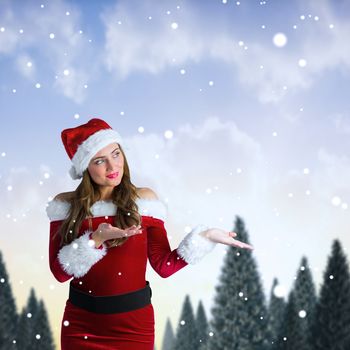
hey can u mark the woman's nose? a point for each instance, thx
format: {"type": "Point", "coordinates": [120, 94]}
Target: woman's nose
{"type": "Point", "coordinates": [112, 164]}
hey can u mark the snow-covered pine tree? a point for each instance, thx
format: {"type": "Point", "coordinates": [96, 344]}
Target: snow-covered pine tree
{"type": "Point", "coordinates": [290, 325]}
{"type": "Point", "coordinates": [202, 325]}
{"type": "Point", "coordinates": [277, 307]}
{"type": "Point", "coordinates": [41, 334]}
{"type": "Point", "coordinates": [168, 338]}
{"type": "Point", "coordinates": [25, 329]}
{"type": "Point", "coordinates": [186, 334]}
{"type": "Point", "coordinates": [331, 329]}
{"type": "Point", "coordinates": [239, 316]}
{"type": "Point", "coordinates": [300, 313]}
{"type": "Point", "coordinates": [8, 311]}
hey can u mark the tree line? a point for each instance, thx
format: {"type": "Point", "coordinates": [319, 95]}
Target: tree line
{"type": "Point", "coordinates": [243, 319]}
{"type": "Point", "coordinates": [27, 330]}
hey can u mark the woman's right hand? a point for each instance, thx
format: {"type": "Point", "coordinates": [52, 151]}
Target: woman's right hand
{"type": "Point", "coordinates": [107, 231]}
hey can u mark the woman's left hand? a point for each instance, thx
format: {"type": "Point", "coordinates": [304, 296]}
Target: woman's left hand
{"type": "Point", "coordinates": [218, 235]}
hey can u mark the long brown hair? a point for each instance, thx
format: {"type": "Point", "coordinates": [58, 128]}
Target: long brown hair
{"type": "Point", "coordinates": [87, 193]}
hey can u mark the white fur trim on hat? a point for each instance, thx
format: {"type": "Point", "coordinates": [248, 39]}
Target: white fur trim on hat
{"type": "Point", "coordinates": [79, 256]}
{"type": "Point", "coordinates": [89, 148]}
{"type": "Point", "coordinates": [195, 246]}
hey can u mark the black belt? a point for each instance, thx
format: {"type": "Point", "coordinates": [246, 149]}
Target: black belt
{"type": "Point", "coordinates": [111, 304]}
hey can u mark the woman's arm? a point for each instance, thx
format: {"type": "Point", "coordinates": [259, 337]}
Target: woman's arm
{"type": "Point", "coordinates": [194, 246]}
{"type": "Point", "coordinates": [54, 246]}
{"type": "Point", "coordinates": [164, 260]}
{"type": "Point", "coordinates": [74, 259]}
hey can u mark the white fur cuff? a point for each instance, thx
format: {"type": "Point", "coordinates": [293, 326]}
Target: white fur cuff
{"type": "Point", "coordinates": [194, 246]}
{"type": "Point", "coordinates": [78, 257]}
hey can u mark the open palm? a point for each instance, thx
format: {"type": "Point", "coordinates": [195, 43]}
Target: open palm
{"type": "Point", "coordinates": [218, 235]}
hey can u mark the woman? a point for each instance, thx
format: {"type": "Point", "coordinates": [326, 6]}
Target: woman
{"type": "Point", "coordinates": [101, 236]}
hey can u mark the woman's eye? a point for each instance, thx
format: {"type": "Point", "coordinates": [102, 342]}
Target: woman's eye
{"type": "Point", "coordinates": [100, 161]}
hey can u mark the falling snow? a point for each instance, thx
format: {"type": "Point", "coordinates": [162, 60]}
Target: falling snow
{"type": "Point", "coordinates": [336, 201]}
{"type": "Point", "coordinates": [168, 134]}
{"type": "Point", "coordinates": [280, 39]}
{"type": "Point", "coordinates": [279, 291]}
{"type": "Point", "coordinates": [302, 313]}
{"type": "Point", "coordinates": [302, 63]}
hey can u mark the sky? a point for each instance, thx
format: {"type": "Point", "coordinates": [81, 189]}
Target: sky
{"type": "Point", "coordinates": [226, 108]}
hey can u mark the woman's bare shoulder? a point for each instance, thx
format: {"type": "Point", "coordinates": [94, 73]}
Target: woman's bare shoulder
{"type": "Point", "coordinates": [64, 196]}
{"type": "Point", "coordinates": [146, 193]}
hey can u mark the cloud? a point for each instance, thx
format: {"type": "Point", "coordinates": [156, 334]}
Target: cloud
{"type": "Point", "coordinates": [207, 173]}
{"type": "Point", "coordinates": [212, 171]}
{"type": "Point", "coordinates": [136, 44]}
{"type": "Point", "coordinates": [333, 176]}
{"type": "Point", "coordinates": [341, 122]}
{"type": "Point", "coordinates": [26, 66]}
{"type": "Point", "coordinates": [74, 84]}
{"type": "Point", "coordinates": [201, 160]}
{"type": "Point", "coordinates": [67, 48]}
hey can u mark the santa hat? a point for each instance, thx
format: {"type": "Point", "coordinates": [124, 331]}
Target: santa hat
{"type": "Point", "coordinates": [84, 141]}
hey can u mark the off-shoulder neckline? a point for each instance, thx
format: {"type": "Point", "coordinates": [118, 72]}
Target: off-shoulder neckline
{"type": "Point", "coordinates": [110, 200]}
{"type": "Point", "coordinates": [57, 209]}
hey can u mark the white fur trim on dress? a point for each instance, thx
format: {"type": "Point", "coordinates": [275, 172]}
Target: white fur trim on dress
{"type": "Point", "coordinates": [89, 148]}
{"type": "Point", "coordinates": [79, 256]}
{"type": "Point", "coordinates": [152, 207]}
{"type": "Point", "coordinates": [58, 210]}
{"type": "Point", "coordinates": [195, 246]}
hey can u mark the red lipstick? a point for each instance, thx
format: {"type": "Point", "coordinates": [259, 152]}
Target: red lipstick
{"type": "Point", "coordinates": [113, 175]}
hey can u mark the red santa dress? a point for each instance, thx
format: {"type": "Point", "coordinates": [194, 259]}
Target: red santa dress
{"type": "Point", "coordinates": [115, 271]}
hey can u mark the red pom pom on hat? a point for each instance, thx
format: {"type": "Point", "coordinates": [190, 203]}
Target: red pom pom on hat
{"type": "Point", "coordinates": [84, 141]}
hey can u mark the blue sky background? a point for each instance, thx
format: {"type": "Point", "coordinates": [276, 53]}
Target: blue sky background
{"type": "Point", "coordinates": [254, 132]}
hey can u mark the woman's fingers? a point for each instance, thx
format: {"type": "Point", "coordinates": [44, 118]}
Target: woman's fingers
{"type": "Point", "coordinates": [133, 230]}
{"type": "Point", "coordinates": [115, 232]}
{"type": "Point", "coordinates": [243, 245]}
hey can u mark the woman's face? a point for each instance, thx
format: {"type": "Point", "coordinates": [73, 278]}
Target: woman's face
{"type": "Point", "coordinates": [107, 166]}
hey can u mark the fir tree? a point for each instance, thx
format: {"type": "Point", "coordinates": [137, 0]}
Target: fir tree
{"type": "Point", "coordinates": [168, 338]}
{"type": "Point", "coordinates": [23, 333]}
{"type": "Point", "coordinates": [276, 312]}
{"type": "Point", "coordinates": [332, 322]}
{"type": "Point", "coordinates": [186, 334]}
{"type": "Point", "coordinates": [239, 314]}
{"type": "Point", "coordinates": [202, 324]}
{"type": "Point", "coordinates": [41, 338]}
{"type": "Point", "coordinates": [290, 326]}
{"type": "Point", "coordinates": [8, 312]}
{"type": "Point", "coordinates": [26, 325]}
{"type": "Point", "coordinates": [300, 312]}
